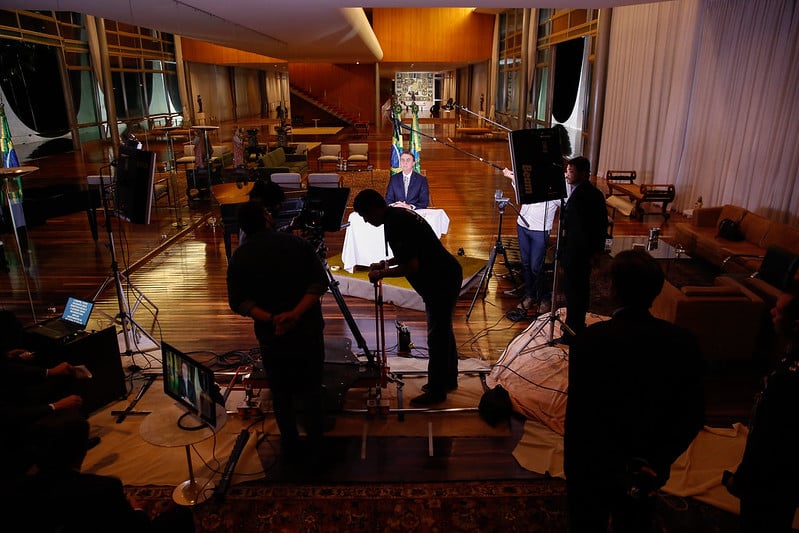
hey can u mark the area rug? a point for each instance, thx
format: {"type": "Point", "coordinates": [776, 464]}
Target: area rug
{"type": "Point", "coordinates": [529, 506]}
{"type": "Point", "coordinates": [397, 291]}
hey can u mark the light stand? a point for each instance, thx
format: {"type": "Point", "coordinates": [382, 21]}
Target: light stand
{"type": "Point", "coordinates": [129, 326]}
{"type": "Point", "coordinates": [499, 248]}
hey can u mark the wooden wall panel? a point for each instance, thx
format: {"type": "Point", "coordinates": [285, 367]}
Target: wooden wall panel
{"type": "Point", "coordinates": [350, 87]}
{"type": "Point", "coordinates": [433, 34]}
{"type": "Point", "coordinates": [202, 52]}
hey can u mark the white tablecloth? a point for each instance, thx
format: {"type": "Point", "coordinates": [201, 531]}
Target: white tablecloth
{"type": "Point", "coordinates": [365, 244]}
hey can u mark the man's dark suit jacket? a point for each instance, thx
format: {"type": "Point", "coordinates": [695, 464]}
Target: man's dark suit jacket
{"type": "Point", "coordinates": [418, 190]}
{"type": "Point", "coordinates": [585, 223]}
{"type": "Point", "coordinates": [187, 391]}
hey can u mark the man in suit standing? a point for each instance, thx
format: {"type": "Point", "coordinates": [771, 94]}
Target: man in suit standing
{"type": "Point", "coordinates": [408, 188]}
{"type": "Point", "coordinates": [584, 229]}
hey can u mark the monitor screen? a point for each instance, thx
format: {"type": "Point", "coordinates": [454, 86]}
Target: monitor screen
{"type": "Point", "coordinates": [325, 206]}
{"type": "Point", "coordinates": [189, 382]}
{"type": "Point", "coordinates": [77, 311]}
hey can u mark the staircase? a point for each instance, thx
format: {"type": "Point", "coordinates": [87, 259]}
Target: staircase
{"type": "Point", "coordinates": [323, 105]}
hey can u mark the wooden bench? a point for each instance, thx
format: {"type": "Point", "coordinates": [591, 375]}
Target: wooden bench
{"type": "Point", "coordinates": [626, 196]}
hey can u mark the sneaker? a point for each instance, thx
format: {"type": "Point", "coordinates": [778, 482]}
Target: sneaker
{"type": "Point", "coordinates": [451, 388]}
{"type": "Point", "coordinates": [517, 314]}
{"type": "Point", "coordinates": [428, 398]}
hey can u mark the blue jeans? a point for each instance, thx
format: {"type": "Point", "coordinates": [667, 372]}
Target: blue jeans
{"type": "Point", "coordinates": [533, 251]}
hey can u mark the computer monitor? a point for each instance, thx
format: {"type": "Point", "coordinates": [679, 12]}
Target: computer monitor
{"type": "Point", "coordinates": [191, 384]}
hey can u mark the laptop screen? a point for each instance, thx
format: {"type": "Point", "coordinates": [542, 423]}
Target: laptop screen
{"type": "Point", "coordinates": [77, 311]}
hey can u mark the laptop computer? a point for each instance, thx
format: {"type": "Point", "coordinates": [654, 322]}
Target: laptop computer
{"type": "Point", "coordinates": [74, 319]}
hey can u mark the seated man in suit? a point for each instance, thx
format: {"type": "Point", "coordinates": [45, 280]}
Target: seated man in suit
{"type": "Point", "coordinates": [408, 188]}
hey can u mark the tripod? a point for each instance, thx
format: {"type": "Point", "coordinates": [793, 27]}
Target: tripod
{"type": "Point", "coordinates": [553, 317]}
{"type": "Point", "coordinates": [130, 329]}
{"type": "Point", "coordinates": [499, 248]}
{"type": "Point", "coordinates": [317, 235]}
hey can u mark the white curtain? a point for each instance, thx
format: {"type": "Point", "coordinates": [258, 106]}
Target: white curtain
{"type": "Point", "coordinates": [702, 94]}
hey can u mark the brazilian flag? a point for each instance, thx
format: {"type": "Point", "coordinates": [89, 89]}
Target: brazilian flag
{"type": "Point", "coordinates": [396, 139]}
{"type": "Point", "coordinates": [416, 141]}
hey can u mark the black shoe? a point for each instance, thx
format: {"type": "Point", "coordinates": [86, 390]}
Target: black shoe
{"type": "Point", "coordinates": [451, 388]}
{"type": "Point", "coordinates": [92, 442]}
{"type": "Point", "coordinates": [429, 398]}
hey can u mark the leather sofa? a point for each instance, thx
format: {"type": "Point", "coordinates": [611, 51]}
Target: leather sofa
{"type": "Point", "coordinates": [727, 317]}
{"type": "Point", "coordinates": [221, 155]}
{"type": "Point", "coordinates": [278, 161]}
{"type": "Point", "coordinates": [700, 238]}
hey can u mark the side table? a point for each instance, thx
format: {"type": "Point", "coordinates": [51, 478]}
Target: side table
{"type": "Point", "coordinates": [161, 429]}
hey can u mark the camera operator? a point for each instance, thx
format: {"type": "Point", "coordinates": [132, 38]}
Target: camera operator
{"type": "Point", "coordinates": [276, 279]}
{"type": "Point", "coordinates": [433, 272]}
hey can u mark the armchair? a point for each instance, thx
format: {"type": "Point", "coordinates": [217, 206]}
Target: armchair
{"type": "Point", "coordinates": [287, 180]}
{"type": "Point", "coordinates": [328, 153]}
{"type": "Point", "coordinates": [774, 274]}
{"type": "Point", "coordinates": [324, 180]}
{"type": "Point", "coordinates": [358, 154]}
{"type": "Point", "coordinates": [727, 318]}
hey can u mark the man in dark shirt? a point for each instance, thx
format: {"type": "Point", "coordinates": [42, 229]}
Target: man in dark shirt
{"type": "Point", "coordinates": [584, 228]}
{"type": "Point", "coordinates": [433, 273]}
{"type": "Point", "coordinates": [635, 403]}
{"type": "Point", "coordinates": [277, 279]}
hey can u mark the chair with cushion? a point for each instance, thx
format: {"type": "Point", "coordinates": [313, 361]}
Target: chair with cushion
{"type": "Point", "coordinates": [358, 154]}
{"type": "Point", "coordinates": [328, 154]}
{"type": "Point", "coordinates": [287, 180]}
{"type": "Point", "coordinates": [320, 179]}
{"type": "Point", "coordinates": [160, 190]}
{"type": "Point", "coordinates": [726, 318]}
{"type": "Point", "coordinates": [774, 274]}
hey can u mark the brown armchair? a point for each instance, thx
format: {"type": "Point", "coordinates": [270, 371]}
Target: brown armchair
{"type": "Point", "coordinates": [727, 318]}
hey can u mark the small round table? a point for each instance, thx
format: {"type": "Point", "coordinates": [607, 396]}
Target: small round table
{"type": "Point", "coordinates": [161, 428]}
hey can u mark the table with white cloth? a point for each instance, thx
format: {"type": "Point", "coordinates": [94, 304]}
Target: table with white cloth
{"type": "Point", "coordinates": [365, 244]}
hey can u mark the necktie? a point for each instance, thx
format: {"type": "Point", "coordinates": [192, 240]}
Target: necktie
{"type": "Point", "coordinates": [407, 181]}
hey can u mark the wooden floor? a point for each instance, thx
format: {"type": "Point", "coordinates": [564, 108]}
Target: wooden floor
{"type": "Point", "coordinates": [180, 270]}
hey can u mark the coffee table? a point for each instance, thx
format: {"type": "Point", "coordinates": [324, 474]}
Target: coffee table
{"type": "Point", "coordinates": [664, 250]}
